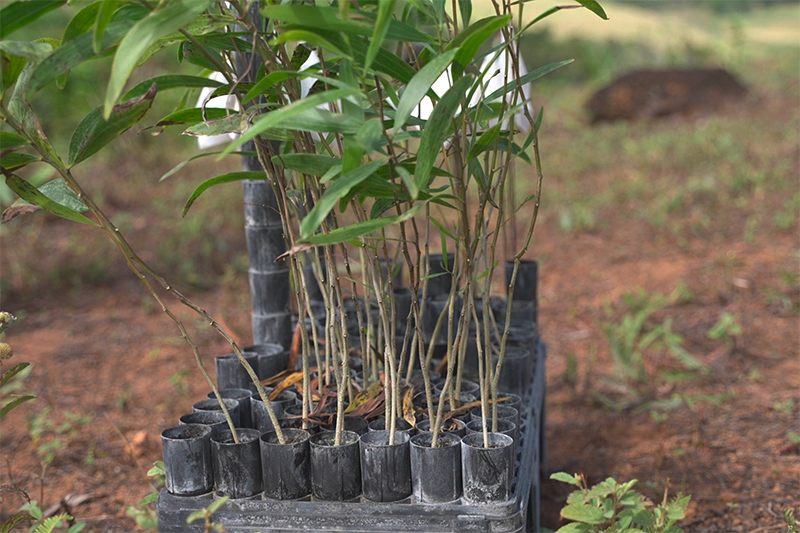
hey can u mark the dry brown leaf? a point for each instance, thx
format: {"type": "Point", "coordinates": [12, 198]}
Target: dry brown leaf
{"type": "Point", "coordinates": [408, 406]}
{"type": "Point", "coordinates": [364, 396]}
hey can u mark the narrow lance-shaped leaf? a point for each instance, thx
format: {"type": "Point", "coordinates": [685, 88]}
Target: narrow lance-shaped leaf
{"type": "Point", "coordinates": [81, 23]}
{"type": "Point", "coordinates": [312, 164]}
{"type": "Point", "coordinates": [594, 7]}
{"type": "Point", "coordinates": [19, 14]}
{"type": "Point", "coordinates": [94, 132]}
{"type": "Point", "coordinates": [15, 402]}
{"type": "Point", "coordinates": [385, 10]}
{"type": "Point", "coordinates": [527, 78]}
{"type": "Point", "coordinates": [35, 51]}
{"type": "Point", "coordinates": [11, 141]}
{"type": "Point", "coordinates": [419, 86]}
{"type": "Point", "coordinates": [357, 230]}
{"type": "Point", "coordinates": [286, 113]}
{"type": "Point", "coordinates": [469, 41]}
{"type": "Point", "coordinates": [16, 160]}
{"type": "Point", "coordinates": [13, 371]}
{"type": "Point", "coordinates": [170, 82]}
{"type": "Point", "coordinates": [73, 53]}
{"type": "Point", "coordinates": [183, 163]}
{"type": "Point", "coordinates": [225, 178]}
{"type": "Point", "coordinates": [337, 190]}
{"type": "Point", "coordinates": [104, 14]}
{"type": "Point", "coordinates": [436, 130]}
{"type": "Point", "coordinates": [162, 22]}
{"type": "Point", "coordinates": [31, 194]}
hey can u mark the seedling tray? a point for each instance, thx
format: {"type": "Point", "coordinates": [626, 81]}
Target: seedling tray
{"type": "Point", "coordinates": [519, 514]}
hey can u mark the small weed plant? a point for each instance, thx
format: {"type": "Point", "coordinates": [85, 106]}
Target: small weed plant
{"type": "Point", "coordinates": [613, 507]}
{"type": "Point", "coordinates": [207, 514]}
{"type": "Point", "coordinates": [633, 337]}
{"type": "Point", "coordinates": [144, 512]}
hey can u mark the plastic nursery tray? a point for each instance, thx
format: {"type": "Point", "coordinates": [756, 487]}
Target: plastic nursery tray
{"type": "Point", "coordinates": [519, 514]}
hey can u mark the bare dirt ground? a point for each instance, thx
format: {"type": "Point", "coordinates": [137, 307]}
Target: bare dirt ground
{"type": "Point", "coordinates": [105, 352]}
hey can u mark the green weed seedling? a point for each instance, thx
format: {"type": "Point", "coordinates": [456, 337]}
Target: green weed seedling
{"type": "Point", "coordinates": [144, 512]}
{"type": "Point", "coordinates": [633, 337]}
{"type": "Point", "coordinates": [725, 329]}
{"type": "Point", "coordinates": [784, 407]}
{"type": "Point", "coordinates": [206, 515]}
{"type": "Point", "coordinates": [611, 507]}
{"type": "Point", "coordinates": [788, 515]}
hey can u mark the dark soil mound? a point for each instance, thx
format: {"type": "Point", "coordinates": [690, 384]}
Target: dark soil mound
{"type": "Point", "coordinates": [657, 93]}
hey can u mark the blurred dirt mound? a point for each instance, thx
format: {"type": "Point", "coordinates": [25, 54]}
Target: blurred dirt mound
{"type": "Point", "coordinates": [657, 93]}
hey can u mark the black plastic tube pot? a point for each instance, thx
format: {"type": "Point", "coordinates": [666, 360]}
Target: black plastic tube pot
{"type": "Point", "coordinates": [211, 404]}
{"type": "Point", "coordinates": [436, 472]}
{"type": "Point", "coordinates": [272, 358]}
{"type": "Point", "coordinates": [527, 279]}
{"type": "Point", "coordinates": [187, 459]}
{"type": "Point", "coordinates": [453, 426]}
{"type": "Point", "coordinates": [515, 374]}
{"type": "Point", "coordinates": [286, 468]}
{"type": "Point", "coordinates": [237, 466]}
{"type": "Point", "coordinates": [504, 412]}
{"type": "Point", "coordinates": [213, 419]}
{"type": "Point", "coordinates": [504, 426]}
{"type": "Point", "coordinates": [243, 397]}
{"type": "Point", "coordinates": [335, 470]}
{"type": "Point", "coordinates": [402, 306]}
{"type": "Point", "coordinates": [487, 473]}
{"type": "Point", "coordinates": [385, 468]}
{"type": "Point", "coordinates": [513, 400]}
{"type": "Point", "coordinates": [232, 375]}
{"type": "Point", "coordinates": [401, 425]}
{"type": "Point", "coordinates": [261, 419]}
{"type": "Point", "coordinates": [440, 276]}
{"type": "Point", "coordinates": [356, 424]}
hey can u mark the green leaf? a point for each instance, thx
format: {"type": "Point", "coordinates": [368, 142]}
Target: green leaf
{"type": "Point", "coordinates": [16, 160]}
{"type": "Point", "coordinates": [357, 230]}
{"type": "Point", "coordinates": [321, 121]}
{"type": "Point", "coordinates": [192, 116]}
{"type": "Point", "coordinates": [443, 230]}
{"type": "Point", "coordinates": [465, 7]}
{"type": "Point", "coordinates": [644, 518]}
{"type": "Point", "coordinates": [183, 163]}
{"type": "Point", "coordinates": [195, 56]}
{"type": "Point", "coordinates": [385, 10]}
{"type": "Point", "coordinates": [216, 504]}
{"type": "Point", "coordinates": [35, 51]}
{"type": "Point", "coordinates": [327, 18]}
{"type": "Point", "coordinates": [370, 135]}
{"type": "Point", "coordinates": [225, 178]}
{"type": "Point", "coordinates": [13, 521]}
{"type": "Point", "coordinates": [471, 39]}
{"type": "Point", "coordinates": [436, 130]}
{"type": "Point", "coordinates": [196, 515]}
{"type": "Point", "coordinates": [675, 510]}
{"type": "Point", "coordinates": [51, 523]}
{"type": "Point", "coordinates": [309, 37]}
{"type": "Point", "coordinates": [233, 123]}
{"type": "Point", "coordinates": [170, 82]}
{"type": "Point", "coordinates": [289, 112]}
{"type": "Point", "coordinates": [104, 15]}
{"type": "Point", "coordinates": [419, 86]}
{"type": "Point", "coordinates": [574, 527]}
{"type": "Point", "coordinates": [59, 192]}
{"type": "Point", "coordinates": [164, 20]}
{"type": "Point", "coordinates": [94, 132]}
{"type": "Point", "coordinates": [583, 513]}
{"type": "Point", "coordinates": [385, 62]}
{"type": "Point", "coordinates": [34, 196]}
{"type": "Point", "coordinates": [73, 53]}
{"type": "Point", "coordinates": [594, 7]}
{"type": "Point", "coordinates": [336, 191]}
{"type": "Point", "coordinates": [13, 371]}
{"type": "Point", "coordinates": [10, 69]}
{"type": "Point", "coordinates": [484, 142]}
{"type": "Point", "coordinates": [20, 14]}
{"type": "Point", "coordinates": [312, 164]}
{"type": "Point", "coordinates": [15, 402]}
{"type": "Point", "coordinates": [81, 23]}
{"type": "Point", "coordinates": [527, 78]}
{"type": "Point", "coordinates": [268, 81]}
{"type": "Point", "coordinates": [408, 181]}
